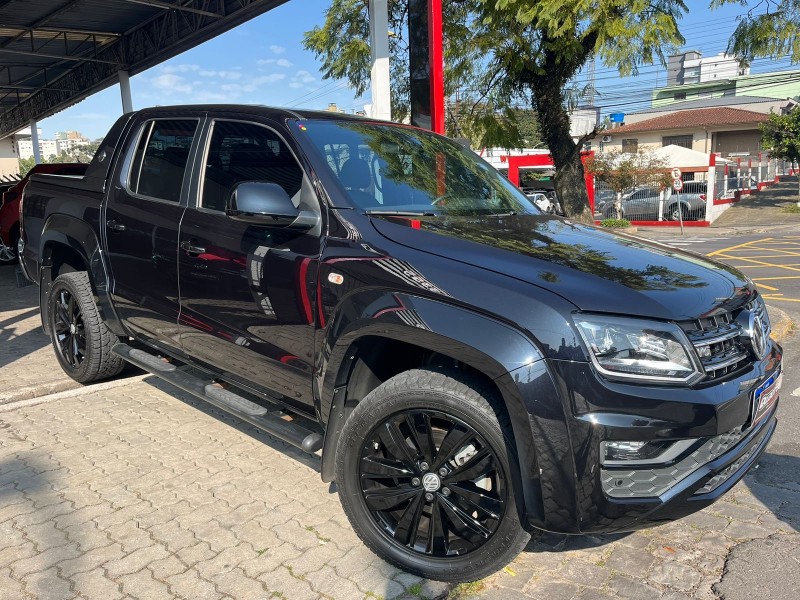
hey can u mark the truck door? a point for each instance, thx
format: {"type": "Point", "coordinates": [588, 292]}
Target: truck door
{"type": "Point", "coordinates": [146, 201]}
{"type": "Point", "coordinates": [247, 291]}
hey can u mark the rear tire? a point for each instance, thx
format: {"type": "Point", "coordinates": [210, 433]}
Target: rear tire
{"type": "Point", "coordinates": [674, 215]}
{"type": "Point", "coordinates": [8, 255]}
{"type": "Point", "coordinates": [81, 340]}
{"type": "Point", "coordinates": [425, 468]}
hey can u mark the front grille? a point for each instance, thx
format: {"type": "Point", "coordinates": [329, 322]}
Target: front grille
{"type": "Point", "coordinates": [718, 341]}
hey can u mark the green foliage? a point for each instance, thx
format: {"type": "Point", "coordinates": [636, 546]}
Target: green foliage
{"type": "Point", "coordinates": [25, 165]}
{"type": "Point", "coordinates": [623, 171]}
{"type": "Point", "coordinates": [774, 33]}
{"type": "Point", "coordinates": [615, 223]}
{"type": "Point", "coordinates": [781, 135]}
{"type": "Point", "coordinates": [79, 154]}
{"type": "Point", "coordinates": [505, 54]}
{"type": "Point", "coordinates": [794, 209]}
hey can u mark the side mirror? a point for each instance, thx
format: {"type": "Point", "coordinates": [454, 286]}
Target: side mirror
{"type": "Point", "coordinates": [261, 203]}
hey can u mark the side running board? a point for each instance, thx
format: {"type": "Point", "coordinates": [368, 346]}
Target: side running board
{"type": "Point", "coordinates": [267, 420]}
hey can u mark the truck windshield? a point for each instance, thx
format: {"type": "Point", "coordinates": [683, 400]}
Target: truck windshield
{"type": "Point", "coordinates": [389, 168]}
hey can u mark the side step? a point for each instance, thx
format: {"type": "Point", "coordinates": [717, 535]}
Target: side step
{"type": "Point", "coordinates": [269, 421]}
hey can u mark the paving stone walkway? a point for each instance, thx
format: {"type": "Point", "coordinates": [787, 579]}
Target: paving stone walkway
{"type": "Point", "coordinates": [137, 491]}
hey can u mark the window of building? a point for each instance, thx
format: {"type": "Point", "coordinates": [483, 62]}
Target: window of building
{"type": "Point", "coordinates": [246, 152]}
{"type": "Point", "coordinates": [630, 145]}
{"type": "Point", "coordinates": [680, 96]}
{"type": "Point", "coordinates": [160, 161]}
{"type": "Point", "coordinates": [684, 141]}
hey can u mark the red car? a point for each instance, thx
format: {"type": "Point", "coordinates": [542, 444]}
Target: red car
{"type": "Point", "coordinates": [9, 213]}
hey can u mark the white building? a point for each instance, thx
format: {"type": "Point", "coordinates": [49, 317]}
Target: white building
{"type": "Point", "coordinates": [691, 67]}
{"type": "Point", "coordinates": [47, 148]}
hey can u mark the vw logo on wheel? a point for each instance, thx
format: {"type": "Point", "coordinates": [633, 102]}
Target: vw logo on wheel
{"type": "Point", "coordinates": [431, 482]}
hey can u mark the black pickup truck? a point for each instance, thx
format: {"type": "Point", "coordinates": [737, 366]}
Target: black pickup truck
{"type": "Point", "coordinates": [473, 370]}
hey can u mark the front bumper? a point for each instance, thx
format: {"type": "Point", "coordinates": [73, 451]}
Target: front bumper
{"type": "Point", "coordinates": [581, 495]}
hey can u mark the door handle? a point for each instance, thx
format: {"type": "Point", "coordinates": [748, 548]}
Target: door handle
{"type": "Point", "coordinates": [115, 225]}
{"type": "Point", "coordinates": [190, 247]}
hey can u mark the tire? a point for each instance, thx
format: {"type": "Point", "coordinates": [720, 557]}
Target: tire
{"type": "Point", "coordinates": [400, 502]}
{"type": "Point", "coordinates": [81, 340]}
{"type": "Point", "coordinates": [674, 215]}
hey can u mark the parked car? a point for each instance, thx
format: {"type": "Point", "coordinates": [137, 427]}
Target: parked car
{"type": "Point", "coordinates": [691, 201]}
{"type": "Point", "coordinates": [9, 212]}
{"type": "Point", "coordinates": [542, 201]}
{"type": "Point", "coordinates": [471, 368]}
{"type": "Point", "coordinates": [640, 204]}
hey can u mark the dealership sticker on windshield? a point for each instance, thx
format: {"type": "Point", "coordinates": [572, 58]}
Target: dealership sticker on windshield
{"type": "Point", "coordinates": [766, 394]}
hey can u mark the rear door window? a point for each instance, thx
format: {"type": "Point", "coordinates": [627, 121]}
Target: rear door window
{"type": "Point", "coordinates": [162, 153]}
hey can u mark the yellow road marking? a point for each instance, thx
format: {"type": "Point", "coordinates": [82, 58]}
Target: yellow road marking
{"type": "Point", "coordinates": [776, 297]}
{"type": "Point", "coordinates": [723, 250]}
{"type": "Point", "coordinates": [766, 287]}
{"type": "Point", "coordinates": [774, 278]}
{"type": "Point", "coordinates": [762, 266]}
{"type": "Point", "coordinates": [782, 252]}
{"type": "Point", "coordinates": [759, 262]}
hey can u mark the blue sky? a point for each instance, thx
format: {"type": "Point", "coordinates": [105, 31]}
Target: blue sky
{"type": "Point", "coordinates": [263, 62]}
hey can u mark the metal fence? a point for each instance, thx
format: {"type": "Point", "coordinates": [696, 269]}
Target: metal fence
{"type": "Point", "coordinates": [697, 200]}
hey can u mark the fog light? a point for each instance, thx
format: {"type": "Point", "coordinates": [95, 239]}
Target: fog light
{"type": "Point", "coordinates": [632, 451]}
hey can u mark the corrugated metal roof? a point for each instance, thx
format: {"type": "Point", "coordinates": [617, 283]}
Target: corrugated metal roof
{"type": "Point", "coordinates": [688, 119]}
{"type": "Point", "coordinates": [54, 53]}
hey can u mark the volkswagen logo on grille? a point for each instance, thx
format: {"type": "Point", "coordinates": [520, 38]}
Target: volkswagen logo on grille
{"type": "Point", "coordinates": [755, 332]}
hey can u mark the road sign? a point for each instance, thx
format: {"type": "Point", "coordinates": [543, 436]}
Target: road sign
{"type": "Point", "coordinates": [676, 173]}
{"type": "Point", "coordinates": [677, 184]}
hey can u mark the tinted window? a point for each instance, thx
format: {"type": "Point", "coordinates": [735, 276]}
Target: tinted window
{"type": "Point", "coordinates": [247, 152]}
{"type": "Point", "coordinates": [394, 168]}
{"type": "Point", "coordinates": [160, 160]}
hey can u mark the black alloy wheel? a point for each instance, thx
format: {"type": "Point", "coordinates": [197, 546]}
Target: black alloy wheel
{"type": "Point", "coordinates": [69, 330]}
{"type": "Point", "coordinates": [432, 484]}
{"type": "Point", "coordinates": [425, 469]}
{"type": "Point", "coordinates": [81, 340]}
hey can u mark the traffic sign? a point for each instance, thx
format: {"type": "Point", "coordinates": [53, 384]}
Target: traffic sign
{"type": "Point", "coordinates": [676, 173]}
{"type": "Point", "coordinates": [677, 184]}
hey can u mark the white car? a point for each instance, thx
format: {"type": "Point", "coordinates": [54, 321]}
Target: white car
{"type": "Point", "coordinates": [542, 202]}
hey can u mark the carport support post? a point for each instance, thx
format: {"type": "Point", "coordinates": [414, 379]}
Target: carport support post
{"type": "Point", "coordinates": [37, 154]}
{"type": "Point", "coordinates": [379, 45]}
{"type": "Point", "coordinates": [125, 91]}
{"type": "Point", "coordinates": [711, 187]}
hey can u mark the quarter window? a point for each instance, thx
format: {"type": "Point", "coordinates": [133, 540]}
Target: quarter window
{"type": "Point", "coordinates": [241, 152]}
{"type": "Point", "coordinates": [161, 156]}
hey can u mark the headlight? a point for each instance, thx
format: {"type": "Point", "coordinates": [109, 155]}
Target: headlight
{"type": "Point", "coordinates": [639, 350]}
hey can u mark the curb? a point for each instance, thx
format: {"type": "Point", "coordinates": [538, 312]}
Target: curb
{"type": "Point", "coordinates": [34, 391]}
{"type": "Point", "coordinates": [782, 324]}
{"type": "Point", "coordinates": [45, 395]}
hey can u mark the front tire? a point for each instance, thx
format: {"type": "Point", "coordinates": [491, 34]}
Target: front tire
{"type": "Point", "coordinates": [81, 340]}
{"type": "Point", "coordinates": [425, 468]}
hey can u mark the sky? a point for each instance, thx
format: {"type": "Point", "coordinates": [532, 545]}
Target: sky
{"type": "Point", "coordinates": [263, 62]}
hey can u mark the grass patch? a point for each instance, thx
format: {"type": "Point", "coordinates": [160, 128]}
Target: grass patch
{"type": "Point", "coordinates": [794, 209]}
{"type": "Point", "coordinates": [465, 590]}
{"type": "Point", "coordinates": [615, 223]}
{"type": "Point", "coordinates": [415, 590]}
{"type": "Point", "coordinates": [320, 537]}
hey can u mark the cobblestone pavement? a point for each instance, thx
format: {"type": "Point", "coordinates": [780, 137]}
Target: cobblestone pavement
{"type": "Point", "coordinates": [28, 366]}
{"type": "Point", "coordinates": [137, 491]}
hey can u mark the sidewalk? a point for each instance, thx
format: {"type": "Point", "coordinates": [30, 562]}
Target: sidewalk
{"type": "Point", "coordinates": [28, 366]}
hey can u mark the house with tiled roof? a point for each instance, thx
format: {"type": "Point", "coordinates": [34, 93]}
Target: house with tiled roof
{"type": "Point", "coordinates": [723, 130]}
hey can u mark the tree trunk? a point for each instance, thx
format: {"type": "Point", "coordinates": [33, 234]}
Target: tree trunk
{"type": "Point", "coordinates": [570, 184]}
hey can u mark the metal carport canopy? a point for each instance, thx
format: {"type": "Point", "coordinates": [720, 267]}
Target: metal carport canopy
{"type": "Point", "coordinates": [55, 53]}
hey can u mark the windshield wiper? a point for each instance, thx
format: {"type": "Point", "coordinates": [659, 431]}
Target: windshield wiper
{"type": "Point", "coordinates": [400, 213]}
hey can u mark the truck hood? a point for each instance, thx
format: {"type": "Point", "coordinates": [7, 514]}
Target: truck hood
{"type": "Point", "coordinates": [595, 269]}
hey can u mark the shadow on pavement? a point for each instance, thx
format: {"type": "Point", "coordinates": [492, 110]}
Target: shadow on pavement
{"type": "Point", "coordinates": [312, 461]}
{"type": "Point", "coordinates": [776, 484]}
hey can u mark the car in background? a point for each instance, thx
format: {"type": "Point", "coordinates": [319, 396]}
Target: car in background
{"type": "Point", "coordinates": [542, 201]}
{"type": "Point", "coordinates": [640, 204]}
{"type": "Point", "coordinates": [9, 212]}
{"type": "Point", "coordinates": [689, 204]}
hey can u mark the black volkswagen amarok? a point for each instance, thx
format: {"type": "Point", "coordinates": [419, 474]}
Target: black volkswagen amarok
{"type": "Point", "coordinates": [471, 369]}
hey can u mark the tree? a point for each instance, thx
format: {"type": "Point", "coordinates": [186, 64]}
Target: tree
{"type": "Point", "coordinates": [781, 136]}
{"type": "Point", "coordinates": [623, 171]}
{"type": "Point", "coordinates": [25, 165]}
{"type": "Point", "coordinates": [503, 54]}
{"type": "Point", "coordinates": [774, 33]}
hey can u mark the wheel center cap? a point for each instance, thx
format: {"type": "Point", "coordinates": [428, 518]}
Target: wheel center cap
{"type": "Point", "coordinates": [431, 482]}
{"type": "Point", "coordinates": [72, 328]}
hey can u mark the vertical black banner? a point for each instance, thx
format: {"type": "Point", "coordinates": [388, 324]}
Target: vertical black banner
{"type": "Point", "coordinates": [419, 63]}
